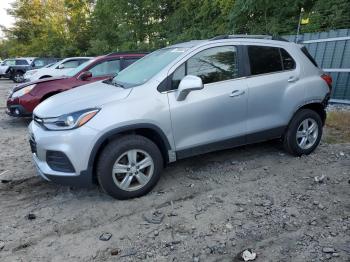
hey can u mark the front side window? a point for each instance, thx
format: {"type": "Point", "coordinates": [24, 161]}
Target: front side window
{"type": "Point", "coordinates": [264, 59]}
{"type": "Point", "coordinates": [214, 64]}
{"type": "Point", "coordinates": [178, 75]}
{"type": "Point", "coordinates": [10, 62]}
{"type": "Point", "coordinates": [211, 65]}
{"type": "Point", "coordinates": [111, 67]}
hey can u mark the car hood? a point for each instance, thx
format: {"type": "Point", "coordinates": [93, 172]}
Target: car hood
{"type": "Point", "coordinates": [3, 68]}
{"type": "Point", "coordinates": [49, 79]}
{"type": "Point", "coordinates": [87, 96]}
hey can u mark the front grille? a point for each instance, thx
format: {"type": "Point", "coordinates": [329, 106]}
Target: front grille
{"type": "Point", "coordinates": [58, 161]}
{"type": "Point", "coordinates": [32, 144]}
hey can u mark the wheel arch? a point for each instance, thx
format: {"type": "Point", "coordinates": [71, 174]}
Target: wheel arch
{"type": "Point", "coordinates": [46, 96]}
{"type": "Point", "coordinates": [44, 76]}
{"type": "Point", "coordinates": [318, 107]}
{"type": "Point", "coordinates": [19, 71]}
{"type": "Point", "coordinates": [150, 131]}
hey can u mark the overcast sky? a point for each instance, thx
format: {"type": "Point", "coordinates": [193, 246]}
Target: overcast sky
{"type": "Point", "coordinates": [5, 19]}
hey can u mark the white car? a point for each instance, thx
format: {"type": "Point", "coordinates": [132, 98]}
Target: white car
{"type": "Point", "coordinates": [59, 69]}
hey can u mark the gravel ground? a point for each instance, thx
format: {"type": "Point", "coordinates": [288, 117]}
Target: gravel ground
{"type": "Point", "coordinates": [207, 208]}
{"type": "Point", "coordinates": [338, 107]}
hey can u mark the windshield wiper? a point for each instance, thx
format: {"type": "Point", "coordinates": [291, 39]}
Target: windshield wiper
{"type": "Point", "coordinates": [111, 82]}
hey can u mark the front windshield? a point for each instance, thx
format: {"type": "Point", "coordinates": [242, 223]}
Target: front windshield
{"type": "Point", "coordinates": [76, 70]}
{"type": "Point", "coordinates": [144, 69]}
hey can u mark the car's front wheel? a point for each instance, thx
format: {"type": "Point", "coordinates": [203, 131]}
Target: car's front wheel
{"type": "Point", "coordinates": [304, 133]}
{"type": "Point", "coordinates": [129, 167]}
{"type": "Point", "coordinates": [18, 77]}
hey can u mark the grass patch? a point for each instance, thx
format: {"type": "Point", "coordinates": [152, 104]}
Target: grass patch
{"type": "Point", "coordinates": [337, 127]}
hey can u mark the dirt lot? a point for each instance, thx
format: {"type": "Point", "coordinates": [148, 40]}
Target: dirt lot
{"type": "Point", "coordinates": [209, 208]}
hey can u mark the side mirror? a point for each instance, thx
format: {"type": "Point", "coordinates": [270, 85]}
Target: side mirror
{"type": "Point", "coordinates": [61, 66]}
{"type": "Point", "coordinates": [85, 76]}
{"type": "Point", "coordinates": [188, 84]}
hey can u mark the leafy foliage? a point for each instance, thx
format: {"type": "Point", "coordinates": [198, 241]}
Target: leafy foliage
{"type": "Point", "coordinates": [93, 27]}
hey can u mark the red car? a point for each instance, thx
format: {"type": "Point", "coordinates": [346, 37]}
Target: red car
{"type": "Point", "coordinates": [25, 97]}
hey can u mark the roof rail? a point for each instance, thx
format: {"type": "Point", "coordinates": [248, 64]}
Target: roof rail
{"type": "Point", "coordinates": [267, 37]}
{"type": "Point", "coordinates": [127, 52]}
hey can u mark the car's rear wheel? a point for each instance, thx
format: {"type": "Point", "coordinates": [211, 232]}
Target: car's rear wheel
{"type": "Point", "coordinates": [129, 167]}
{"type": "Point", "coordinates": [304, 133]}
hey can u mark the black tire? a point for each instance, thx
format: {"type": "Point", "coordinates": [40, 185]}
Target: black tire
{"type": "Point", "coordinates": [116, 149]}
{"type": "Point", "coordinates": [18, 77]}
{"type": "Point", "coordinates": [290, 142]}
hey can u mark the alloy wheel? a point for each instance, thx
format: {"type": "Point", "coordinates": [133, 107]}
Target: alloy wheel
{"type": "Point", "coordinates": [133, 170]}
{"type": "Point", "coordinates": [307, 133]}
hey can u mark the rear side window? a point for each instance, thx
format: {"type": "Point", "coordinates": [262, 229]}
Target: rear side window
{"type": "Point", "coordinates": [307, 54]}
{"type": "Point", "coordinates": [74, 63]}
{"type": "Point", "coordinates": [71, 63]}
{"type": "Point", "coordinates": [21, 62]}
{"type": "Point", "coordinates": [264, 59]}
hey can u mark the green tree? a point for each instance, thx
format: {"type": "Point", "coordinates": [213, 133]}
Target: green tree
{"type": "Point", "coordinates": [327, 15]}
{"type": "Point", "coordinates": [267, 16]}
{"type": "Point", "coordinates": [192, 19]}
{"type": "Point", "coordinates": [49, 28]}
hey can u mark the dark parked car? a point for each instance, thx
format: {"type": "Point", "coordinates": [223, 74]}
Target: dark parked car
{"type": "Point", "coordinates": [25, 97]}
{"type": "Point", "coordinates": [17, 69]}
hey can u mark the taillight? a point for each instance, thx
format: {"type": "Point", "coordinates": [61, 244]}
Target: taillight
{"type": "Point", "coordinates": [328, 79]}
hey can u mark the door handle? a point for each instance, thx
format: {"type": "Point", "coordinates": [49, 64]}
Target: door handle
{"type": "Point", "coordinates": [236, 93]}
{"type": "Point", "coordinates": [293, 79]}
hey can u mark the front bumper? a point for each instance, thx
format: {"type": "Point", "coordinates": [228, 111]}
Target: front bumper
{"type": "Point", "coordinates": [75, 144]}
{"type": "Point", "coordinates": [19, 107]}
{"type": "Point", "coordinates": [17, 111]}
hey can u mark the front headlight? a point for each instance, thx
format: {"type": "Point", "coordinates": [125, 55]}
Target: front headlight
{"type": "Point", "coordinates": [70, 121]}
{"type": "Point", "coordinates": [23, 91]}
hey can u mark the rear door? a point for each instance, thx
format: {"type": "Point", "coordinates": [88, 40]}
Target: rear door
{"type": "Point", "coordinates": [214, 117]}
{"type": "Point", "coordinates": [273, 71]}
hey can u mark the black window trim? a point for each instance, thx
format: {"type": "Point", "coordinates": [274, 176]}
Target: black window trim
{"type": "Point", "coordinates": [276, 72]}
{"type": "Point", "coordinates": [165, 85]}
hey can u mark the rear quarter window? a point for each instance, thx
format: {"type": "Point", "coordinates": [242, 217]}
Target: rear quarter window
{"type": "Point", "coordinates": [287, 61]}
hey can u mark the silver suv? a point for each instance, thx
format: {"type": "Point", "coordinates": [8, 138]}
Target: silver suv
{"type": "Point", "coordinates": [177, 102]}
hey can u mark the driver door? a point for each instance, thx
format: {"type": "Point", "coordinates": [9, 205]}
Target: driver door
{"type": "Point", "coordinates": [214, 117]}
